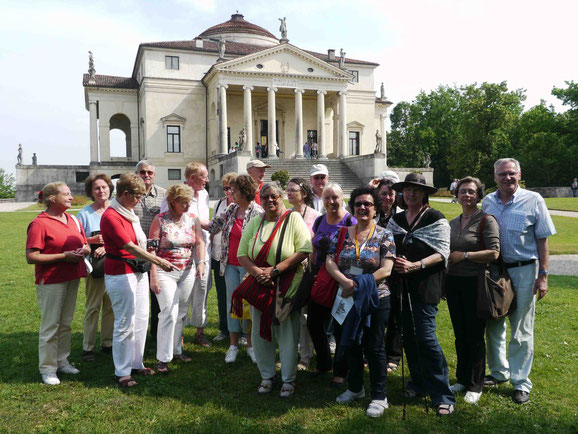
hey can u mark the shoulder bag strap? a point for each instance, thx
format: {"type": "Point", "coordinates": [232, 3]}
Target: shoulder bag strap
{"type": "Point", "coordinates": [281, 237]}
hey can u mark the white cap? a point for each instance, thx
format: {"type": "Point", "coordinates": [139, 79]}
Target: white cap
{"type": "Point", "coordinates": [319, 169]}
{"type": "Point", "coordinates": [256, 163]}
{"type": "Point", "coordinates": [389, 174]}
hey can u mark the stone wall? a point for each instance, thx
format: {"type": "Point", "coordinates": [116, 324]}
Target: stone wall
{"type": "Point", "coordinates": [367, 167]}
{"type": "Point", "coordinates": [553, 191]}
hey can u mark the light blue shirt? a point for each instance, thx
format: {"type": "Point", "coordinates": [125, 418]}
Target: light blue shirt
{"type": "Point", "coordinates": [523, 220]}
{"type": "Point", "coordinates": [90, 220]}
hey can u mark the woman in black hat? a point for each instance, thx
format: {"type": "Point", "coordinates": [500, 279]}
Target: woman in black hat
{"type": "Point", "coordinates": [422, 238]}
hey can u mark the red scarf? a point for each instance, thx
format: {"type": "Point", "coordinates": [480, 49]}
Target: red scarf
{"type": "Point", "coordinates": [259, 296]}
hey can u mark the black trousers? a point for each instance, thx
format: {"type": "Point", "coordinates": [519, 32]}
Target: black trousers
{"type": "Point", "coordinates": [221, 296]}
{"type": "Point", "coordinates": [372, 344]}
{"type": "Point", "coordinates": [469, 331]}
{"type": "Point", "coordinates": [393, 346]}
{"type": "Point", "coordinates": [155, 310]}
{"type": "Point", "coordinates": [318, 318]}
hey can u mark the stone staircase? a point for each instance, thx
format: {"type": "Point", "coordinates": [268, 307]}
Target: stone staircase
{"type": "Point", "coordinates": [338, 172]}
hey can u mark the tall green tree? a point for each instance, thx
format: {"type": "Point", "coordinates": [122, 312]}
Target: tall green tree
{"type": "Point", "coordinates": [6, 185]}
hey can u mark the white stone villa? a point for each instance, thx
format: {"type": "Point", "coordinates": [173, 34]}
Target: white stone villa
{"type": "Point", "coordinates": [193, 99]}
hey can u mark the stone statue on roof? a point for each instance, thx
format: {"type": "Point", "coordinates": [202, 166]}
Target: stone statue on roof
{"type": "Point", "coordinates": [222, 42]}
{"type": "Point", "coordinates": [19, 157]}
{"type": "Point", "coordinates": [378, 143]}
{"type": "Point", "coordinates": [283, 28]}
{"type": "Point", "coordinates": [91, 70]}
{"type": "Point", "coordinates": [34, 159]}
{"type": "Point", "coordinates": [382, 89]}
{"type": "Point", "coordinates": [342, 59]}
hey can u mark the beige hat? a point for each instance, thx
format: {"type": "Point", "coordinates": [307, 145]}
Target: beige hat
{"type": "Point", "coordinates": [319, 169]}
{"type": "Point", "coordinates": [256, 163]}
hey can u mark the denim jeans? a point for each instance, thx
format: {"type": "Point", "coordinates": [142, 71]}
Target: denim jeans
{"type": "Point", "coordinates": [373, 346]}
{"type": "Point", "coordinates": [233, 277]}
{"type": "Point", "coordinates": [425, 358]}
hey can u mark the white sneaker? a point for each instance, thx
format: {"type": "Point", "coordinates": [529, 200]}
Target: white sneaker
{"type": "Point", "coordinates": [377, 407]}
{"type": "Point", "coordinates": [68, 369]}
{"type": "Point", "coordinates": [455, 388]}
{"type": "Point", "coordinates": [332, 344]}
{"type": "Point", "coordinates": [349, 396]}
{"type": "Point", "coordinates": [220, 337]}
{"type": "Point", "coordinates": [251, 354]}
{"type": "Point", "coordinates": [472, 397]}
{"type": "Point", "coordinates": [50, 379]}
{"type": "Point", "coordinates": [231, 354]}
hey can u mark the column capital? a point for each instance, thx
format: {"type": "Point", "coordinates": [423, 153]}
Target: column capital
{"type": "Point", "coordinates": [92, 102]}
{"type": "Point", "coordinates": [224, 86]}
{"type": "Point", "coordinates": [299, 90]}
{"type": "Point", "coordinates": [342, 92]}
{"type": "Point", "coordinates": [246, 87]}
{"type": "Point", "coordinates": [272, 88]}
{"type": "Point", "coordinates": [321, 92]}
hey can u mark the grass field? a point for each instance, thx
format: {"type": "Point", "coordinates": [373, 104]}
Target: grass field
{"type": "Point", "coordinates": [209, 396]}
{"type": "Point", "coordinates": [562, 203]}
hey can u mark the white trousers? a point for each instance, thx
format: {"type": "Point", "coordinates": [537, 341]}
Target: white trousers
{"type": "Point", "coordinates": [305, 342]}
{"type": "Point", "coordinates": [517, 365]}
{"type": "Point", "coordinates": [198, 298]}
{"type": "Point", "coordinates": [176, 287]}
{"type": "Point", "coordinates": [56, 302]}
{"type": "Point", "coordinates": [129, 296]}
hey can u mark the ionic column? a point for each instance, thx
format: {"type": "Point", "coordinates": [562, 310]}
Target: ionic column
{"type": "Point", "coordinates": [93, 132]}
{"type": "Point", "coordinates": [248, 117]}
{"type": "Point", "coordinates": [299, 122]}
{"type": "Point", "coordinates": [382, 118]}
{"type": "Point", "coordinates": [342, 124]}
{"type": "Point", "coordinates": [222, 88]}
{"type": "Point", "coordinates": [272, 133]}
{"type": "Point", "coordinates": [321, 124]}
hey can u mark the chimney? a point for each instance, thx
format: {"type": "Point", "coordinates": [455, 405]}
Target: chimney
{"type": "Point", "coordinates": [199, 43]}
{"type": "Point", "coordinates": [331, 54]}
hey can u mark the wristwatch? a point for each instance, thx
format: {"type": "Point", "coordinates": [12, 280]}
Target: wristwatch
{"type": "Point", "coordinates": [543, 272]}
{"type": "Point", "coordinates": [422, 264]}
{"type": "Point", "coordinates": [466, 254]}
{"type": "Point", "coordinates": [275, 272]}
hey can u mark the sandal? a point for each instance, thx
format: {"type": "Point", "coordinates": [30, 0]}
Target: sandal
{"type": "Point", "coordinates": [445, 409]}
{"type": "Point", "coordinates": [127, 382]}
{"type": "Point", "coordinates": [162, 367]}
{"type": "Point", "coordinates": [266, 386]}
{"type": "Point", "coordinates": [391, 367]}
{"type": "Point", "coordinates": [287, 390]}
{"type": "Point", "coordinates": [302, 365]}
{"type": "Point", "coordinates": [145, 372]}
{"type": "Point", "coordinates": [183, 358]}
{"type": "Point", "coordinates": [88, 356]}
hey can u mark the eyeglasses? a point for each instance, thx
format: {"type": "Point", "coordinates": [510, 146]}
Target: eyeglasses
{"type": "Point", "coordinates": [293, 190]}
{"type": "Point", "coordinates": [227, 188]}
{"type": "Point", "coordinates": [504, 174]}
{"type": "Point", "coordinates": [147, 172]}
{"type": "Point", "coordinates": [270, 197]}
{"type": "Point", "coordinates": [319, 177]}
{"type": "Point", "coordinates": [365, 204]}
{"type": "Point", "coordinates": [137, 196]}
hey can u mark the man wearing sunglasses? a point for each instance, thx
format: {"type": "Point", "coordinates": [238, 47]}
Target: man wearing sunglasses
{"type": "Point", "coordinates": [146, 210]}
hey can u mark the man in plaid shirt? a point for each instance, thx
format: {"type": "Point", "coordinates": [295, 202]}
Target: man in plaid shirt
{"type": "Point", "coordinates": [146, 210]}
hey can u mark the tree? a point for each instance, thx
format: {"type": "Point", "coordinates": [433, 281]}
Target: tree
{"type": "Point", "coordinates": [6, 185]}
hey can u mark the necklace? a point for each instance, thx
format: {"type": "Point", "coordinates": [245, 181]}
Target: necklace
{"type": "Point", "coordinates": [369, 234]}
{"type": "Point", "coordinates": [260, 231]}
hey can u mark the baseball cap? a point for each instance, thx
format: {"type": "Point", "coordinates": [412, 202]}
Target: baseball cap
{"type": "Point", "coordinates": [319, 169]}
{"type": "Point", "coordinates": [256, 163]}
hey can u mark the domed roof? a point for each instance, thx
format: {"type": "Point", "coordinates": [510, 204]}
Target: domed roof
{"type": "Point", "coordinates": [237, 24]}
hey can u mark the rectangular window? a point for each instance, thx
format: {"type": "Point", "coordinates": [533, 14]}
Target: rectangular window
{"type": "Point", "coordinates": [354, 143]}
{"type": "Point", "coordinates": [81, 176]}
{"type": "Point", "coordinates": [173, 138]}
{"type": "Point", "coordinates": [355, 76]}
{"type": "Point", "coordinates": [172, 62]}
{"type": "Point", "coordinates": [174, 174]}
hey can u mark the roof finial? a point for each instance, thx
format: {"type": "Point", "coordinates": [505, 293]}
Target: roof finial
{"type": "Point", "coordinates": [283, 30]}
{"type": "Point", "coordinates": [91, 70]}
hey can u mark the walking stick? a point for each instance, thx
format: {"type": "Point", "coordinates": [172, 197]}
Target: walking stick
{"type": "Point", "coordinates": [402, 351]}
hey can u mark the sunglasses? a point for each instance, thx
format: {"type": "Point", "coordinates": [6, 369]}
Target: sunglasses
{"type": "Point", "coordinates": [365, 204]}
{"type": "Point", "coordinates": [227, 188]}
{"type": "Point", "coordinates": [147, 172]}
{"type": "Point", "coordinates": [270, 196]}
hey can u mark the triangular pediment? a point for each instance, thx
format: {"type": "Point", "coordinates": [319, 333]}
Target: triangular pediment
{"type": "Point", "coordinates": [173, 117]}
{"type": "Point", "coordinates": [284, 60]}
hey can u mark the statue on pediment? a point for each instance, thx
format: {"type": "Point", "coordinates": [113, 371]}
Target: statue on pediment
{"type": "Point", "coordinates": [382, 91]}
{"type": "Point", "coordinates": [342, 59]}
{"type": "Point", "coordinates": [19, 157]}
{"type": "Point", "coordinates": [222, 47]}
{"type": "Point", "coordinates": [283, 28]}
{"type": "Point", "coordinates": [91, 69]}
{"type": "Point", "coordinates": [242, 140]}
{"type": "Point", "coordinates": [378, 143]}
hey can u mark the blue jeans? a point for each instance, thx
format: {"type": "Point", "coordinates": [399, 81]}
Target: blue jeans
{"type": "Point", "coordinates": [425, 358]}
{"type": "Point", "coordinates": [233, 276]}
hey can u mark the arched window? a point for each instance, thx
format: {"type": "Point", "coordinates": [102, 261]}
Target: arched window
{"type": "Point", "coordinates": [120, 139]}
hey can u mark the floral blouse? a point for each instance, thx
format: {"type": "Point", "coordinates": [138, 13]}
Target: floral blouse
{"type": "Point", "coordinates": [376, 248]}
{"type": "Point", "coordinates": [177, 240]}
{"type": "Point", "coordinates": [224, 223]}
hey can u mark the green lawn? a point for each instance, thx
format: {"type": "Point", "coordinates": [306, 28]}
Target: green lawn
{"type": "Point", "coordinates": [562, 203]}
{"type": "Point", "coordinates": [209, 396]}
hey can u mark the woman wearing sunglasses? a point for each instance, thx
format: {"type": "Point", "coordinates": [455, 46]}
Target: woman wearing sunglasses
{"type": "Point", "coordinates": [368, 249]}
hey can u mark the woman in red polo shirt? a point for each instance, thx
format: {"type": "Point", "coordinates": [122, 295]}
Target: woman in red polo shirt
{"type": "Point", "coordinates": [56, 245]}
{"type": "Point", "coordinates": [127, 287]}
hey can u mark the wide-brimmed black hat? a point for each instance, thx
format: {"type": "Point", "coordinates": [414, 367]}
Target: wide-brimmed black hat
{"type": "Point", "coordinates": [414, 179]}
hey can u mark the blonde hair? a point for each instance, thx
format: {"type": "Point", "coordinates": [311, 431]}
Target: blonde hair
{"type": "Point", "coordinates": [179, 191]}
{"type": "Point", "coordinates": [48, 192]}
{"type": "Point", "coordinates": [193, 168]}
{"type": "Point", "coordinates": [228, 178]}
{"type": "Point", "coordinates": [130, 182]}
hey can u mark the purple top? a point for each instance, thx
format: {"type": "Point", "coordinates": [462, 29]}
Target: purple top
{"type": "Point", "coordinates": [324, 232]}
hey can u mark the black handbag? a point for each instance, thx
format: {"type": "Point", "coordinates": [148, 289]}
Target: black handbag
{"type": "Point", "coordinates": [495, 296]}
{"type": "Point", "coordinates": [137, 265]}
{"type": "Point", "coordinates": [97, 263]}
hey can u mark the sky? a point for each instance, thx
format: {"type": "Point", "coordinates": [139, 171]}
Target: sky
{"type": "Point", "coordinates": [419, 44]}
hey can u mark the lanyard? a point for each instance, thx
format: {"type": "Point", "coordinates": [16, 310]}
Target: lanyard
{"type": "Point", "coordinates": [357, 248]}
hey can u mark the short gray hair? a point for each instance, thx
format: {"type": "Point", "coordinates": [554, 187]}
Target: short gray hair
{"type": "Point", "coordinates": [142, 163]}
{"type": "Point", "coordinates": [271, 184]}
{"type": "Point", "coordinates": [507, 160]}
{"type": "Point", "coordinates": [335, 187]}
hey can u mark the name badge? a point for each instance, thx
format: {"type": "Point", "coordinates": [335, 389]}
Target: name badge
{"type": "Point", "coordinates": [355, 271]}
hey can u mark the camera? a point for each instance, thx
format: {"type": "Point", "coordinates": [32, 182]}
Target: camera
{"type": "Point", "coordinates": [153, 244]}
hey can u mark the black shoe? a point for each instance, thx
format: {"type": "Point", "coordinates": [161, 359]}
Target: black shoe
{"type": "Point", "coordinates": [88, 356]}
{"type": "Point", "coordinates": [521, 397]}
{"type": "Point", "coordinates": [106, 350]}
{"type": "Point", "coordinates": [491, 381]}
